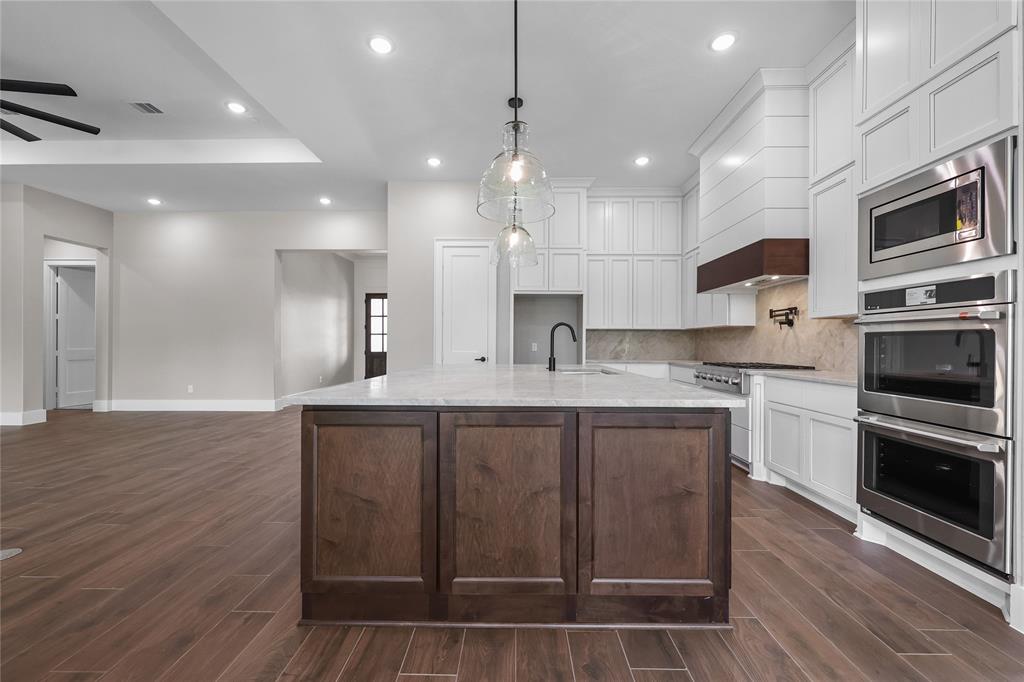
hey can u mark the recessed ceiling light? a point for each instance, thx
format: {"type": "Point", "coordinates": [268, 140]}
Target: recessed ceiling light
{"type": "Point", "coordinates": [153, 201]}
{"type": "Point", "coordinates": [723, 42]}
{"type": "Point", "coordinates": [325, 201]}
{"type": "Point", "coordinates": [641, 161]}
{"type": "Point", "coordinates": [433, 162]}
{"type": "Point", "coordinates": [236, 108]}
{"type": "Point", "coordinates": [380, 45]}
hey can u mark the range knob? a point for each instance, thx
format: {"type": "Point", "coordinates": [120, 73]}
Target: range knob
{"type": "Point", "coordinates": [734, 381]}
{"type": "Point", "coordinates": [719, 379]}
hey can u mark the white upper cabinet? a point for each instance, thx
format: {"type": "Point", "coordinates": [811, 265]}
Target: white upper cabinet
{"type": "Point", "coordinates": [670, 289]}
{"type": "Point", "coordinates": [566, 227]}
{"type": "Point", "coordinates": [620, 225]}
{"type": "Point", "coordinates": [597, 226]}
{"type": "Point", "coordinates": [832, 287]}
{"type": "Point", "coordinates": [887, 39]}
{"type": "Point", "coordinates": [657, 226]}
{"type": "Point", "coordinates": [645, 292]}
{"type": "Point", "coordinates": [831, 118]}
{"type": "Point", "coordinates": [901, 44]}
{"type": "Point", "coordinates": [958, 27]}
{"type": "Point", "coordinates": [963, 106]}
{"type": "Point", "coordinates": [596, 294]}
{"type": "Point", "coordinates": [609, 291]}
{"type": "Point", "coordinates": [691, 219]}
{"type": "Point", "coordinates": [533, 278]}
{"type": "Point", "coordinates": [565, 270]}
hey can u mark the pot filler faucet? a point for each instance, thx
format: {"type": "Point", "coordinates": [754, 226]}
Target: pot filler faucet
{"type": "Point", "coordinates": [551, 345]}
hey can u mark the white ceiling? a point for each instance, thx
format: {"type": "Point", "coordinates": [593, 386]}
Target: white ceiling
{"type": "Point", "coordinates": [603, 82]}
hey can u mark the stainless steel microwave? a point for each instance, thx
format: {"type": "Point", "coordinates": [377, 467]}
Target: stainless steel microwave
{"type": "Point", "coordinates": [955, 212]}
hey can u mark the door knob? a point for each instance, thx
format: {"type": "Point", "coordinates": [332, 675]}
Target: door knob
{"type": "Point", "coordinates": [482, 358]}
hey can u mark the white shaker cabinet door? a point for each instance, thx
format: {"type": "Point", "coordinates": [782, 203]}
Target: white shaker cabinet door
{"type": "Point", "coordinates": [831, 457]}
{"type": "Point", "coordinates": [565, 227]}
{"type": "Point", "coordinates": [645, 226]}
{"type": "Point", "coordinates": [645, 292]}
{"type": "Point", "coordinates": [620, 292]}
{"type": "Point", "coordinates": [887, 44]}
{"type": "Point", "coordinates": [689, 290]}
{"type": "Point", "coordinates": [620, 225]}
{"type": "Point", "coordinates": [831, 119]}
{"type": "Point", "coordinates": [670, 226]}
{"type": "Point", "coordinates": [783, 442]}
{"type": "Point", "coordinates": [533, 277]}
{"type": "Point", "coordinates": [565, 270]}
{"type": "Point", "coordinates": [958, 27]}
{"type": "Point", "coordinates": [597, 293]}
{"type": "Point", "coordinates": [597, 226]}
{"type": "Point", "coordinates": [670, 287]}
{"type": "Point", "coordinates": [832, 284]}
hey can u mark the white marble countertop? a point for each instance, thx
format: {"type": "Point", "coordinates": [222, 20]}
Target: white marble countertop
{"type": "Point", "coordinates": [518, 386]}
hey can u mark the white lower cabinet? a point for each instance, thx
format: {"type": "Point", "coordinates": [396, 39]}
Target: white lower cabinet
{"type": "Point", "coordinates": [814, 449]}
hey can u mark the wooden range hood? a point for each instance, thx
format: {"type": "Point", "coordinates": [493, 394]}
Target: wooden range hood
{"type": "Point", "coordinates": [757, 263]}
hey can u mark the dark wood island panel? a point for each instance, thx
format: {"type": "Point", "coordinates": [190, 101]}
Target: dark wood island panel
{"type": "Point", "coordinates": [515, 516]}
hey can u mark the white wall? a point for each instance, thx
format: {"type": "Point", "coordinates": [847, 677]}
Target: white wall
{"type": "Point", "coordinates": [419, 213]}
{"type": "Point", "coordinates": [54, 249]}
{"type": "Point", "coordinates": [371, 278]}
{"type": "Point", "coordinates": [317, 320]}
{"type": "Point", "coordinates": [30, 215]}
{"type": "Point", "coordinates": [196, 300]}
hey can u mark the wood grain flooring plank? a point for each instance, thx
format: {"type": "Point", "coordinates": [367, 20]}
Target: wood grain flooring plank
{"type": "Point", "coordinates": [488, 654]}
{"type": "Point", "coordinates": [378, 655]}
{"type": "Point", "coordinates": [964, 608]}
{"type": "Point", "coordinates": [650, 649]}
{"type": "Point", "coordinates": [897, 633]}
{"type": "Point", "coordinates": [661, 676]}
{"type": "Point", "coordinates": [761, 656]}
{"type": "Point", "coordinates": [816, 655]}
{"type": "Point", "coordinates": [270, 651]}
{"type": "Point", "coordinates": [151, 656]}
{"type": "Point", "coordinates": [944, 668]}
{"type": "Point", "coordinates": [597, 656]}
{"type": "Point", "coordinates": [434, 651]}
{"type": "Point", "coordinates": [978, 654]}
{"type": "Point", "coordinates": [542, 655]}
{"type": "Point", "coordinates": [742, 540]}
{"type": "Point", "coordinates": [866, 651]}
{"type": "Point", "coordinates": [708, 658]}
{"type": "Point", "coordinates": [216, 649]}
{"type": "Point", "coordinates": [323, 654]}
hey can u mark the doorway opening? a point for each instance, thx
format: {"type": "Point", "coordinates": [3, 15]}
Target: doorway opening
{"type": "Point", "coordinates": [70, 315]}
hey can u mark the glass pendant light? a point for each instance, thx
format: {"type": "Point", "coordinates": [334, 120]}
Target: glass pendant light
{"type": "Point", "coordinates": [514, 244]}
{"type": "Point", "coordinates": [515, 189]}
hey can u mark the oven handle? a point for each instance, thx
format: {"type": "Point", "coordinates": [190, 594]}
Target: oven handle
{"type": "Point", "coordinates": [980, 447]}
{"type": "Point", "coordinates": [903, 317]}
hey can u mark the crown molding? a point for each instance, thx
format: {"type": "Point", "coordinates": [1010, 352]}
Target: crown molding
{"type": "Point", "coordinates": [635, 192]}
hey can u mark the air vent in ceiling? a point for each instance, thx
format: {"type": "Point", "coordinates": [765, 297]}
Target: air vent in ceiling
{"type": "Point", "coordinates": [146, 107]}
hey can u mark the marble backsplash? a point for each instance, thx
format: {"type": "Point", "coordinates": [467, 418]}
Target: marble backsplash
{"type": "Point", "coordinates": [828, 344]}
{"type": "Point", "coordinates": [636, 344]}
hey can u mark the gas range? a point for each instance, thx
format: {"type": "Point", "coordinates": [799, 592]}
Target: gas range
{"type": "Point", "coordinates": [732, 376]}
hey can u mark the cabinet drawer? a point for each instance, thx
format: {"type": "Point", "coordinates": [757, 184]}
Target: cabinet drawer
{"type": "Point", "coordinates": [741, 416]}
{"type": "Point", "coordinates": [840, 401]}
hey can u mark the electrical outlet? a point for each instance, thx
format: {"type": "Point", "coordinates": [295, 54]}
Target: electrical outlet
{"type": "Point", "coordinates": [190, 389]}
{"type": "Point", "coordinates": [533, 347]}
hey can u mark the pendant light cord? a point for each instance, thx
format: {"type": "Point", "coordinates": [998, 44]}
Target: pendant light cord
{"type": "Point", "coordinates": [515, 70]}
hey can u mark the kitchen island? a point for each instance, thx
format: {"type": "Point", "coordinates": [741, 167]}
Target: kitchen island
{"type": "Point", "coordinates": [515, 495]}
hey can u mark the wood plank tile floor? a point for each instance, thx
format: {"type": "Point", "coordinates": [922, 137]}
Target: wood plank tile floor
{"type": "Point", "coordinates": [164, 546]}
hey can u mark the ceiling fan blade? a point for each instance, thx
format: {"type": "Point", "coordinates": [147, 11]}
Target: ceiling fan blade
{"type": "Point", "coordinates": [15, 130]}
{"type": "Point", "coordinates": [50, 118]}
{"type": "Point", "coordinates": [37, 87]}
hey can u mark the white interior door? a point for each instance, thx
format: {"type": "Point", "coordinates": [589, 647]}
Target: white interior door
{"type": "Point", "coordinates": [76, 336]}
{"type": "Point", "coordinates": [466, 317]}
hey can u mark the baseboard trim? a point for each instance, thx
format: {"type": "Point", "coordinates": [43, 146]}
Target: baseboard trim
{"type": "Point", "coordinates": [101, 406]}
{"type": "Point", "coordinates": [973, 579]}
{"type": "Point", "coordinates": [194, 405]}
{"type": "Point", "coordinates": [22, 418]}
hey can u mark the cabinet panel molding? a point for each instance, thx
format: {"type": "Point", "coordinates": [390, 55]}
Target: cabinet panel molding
{"type": "Point", "coordinates": [507, 503]}
{"type": "Point", "coordinates": [534, 278]}
{"type": "Point", "coordinates": [783, 440]}
{"type": "Point", "coordinates": [831, 118]}
{"type": "Point", "coordinates": [565, 270]}
{"type": "Point", "coordinates": [832, 284]}
{"type": "Point", "coordinates": [361, 535]}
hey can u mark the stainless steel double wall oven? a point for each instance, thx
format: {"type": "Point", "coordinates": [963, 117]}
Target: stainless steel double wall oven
{"type": "Point", "coordinates": [935, 412]}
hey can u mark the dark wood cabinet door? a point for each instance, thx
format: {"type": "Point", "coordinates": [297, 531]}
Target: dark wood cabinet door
{"type": "Point", "coordinates": [653, 504]}
{"type": "Point", "coordinates": [508, 503]}
{"type": "Point", "coordinates": [369, 513]}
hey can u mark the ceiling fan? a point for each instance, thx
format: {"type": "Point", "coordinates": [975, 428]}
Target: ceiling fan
{"type": "Point", "coordinates": [38, 88]}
